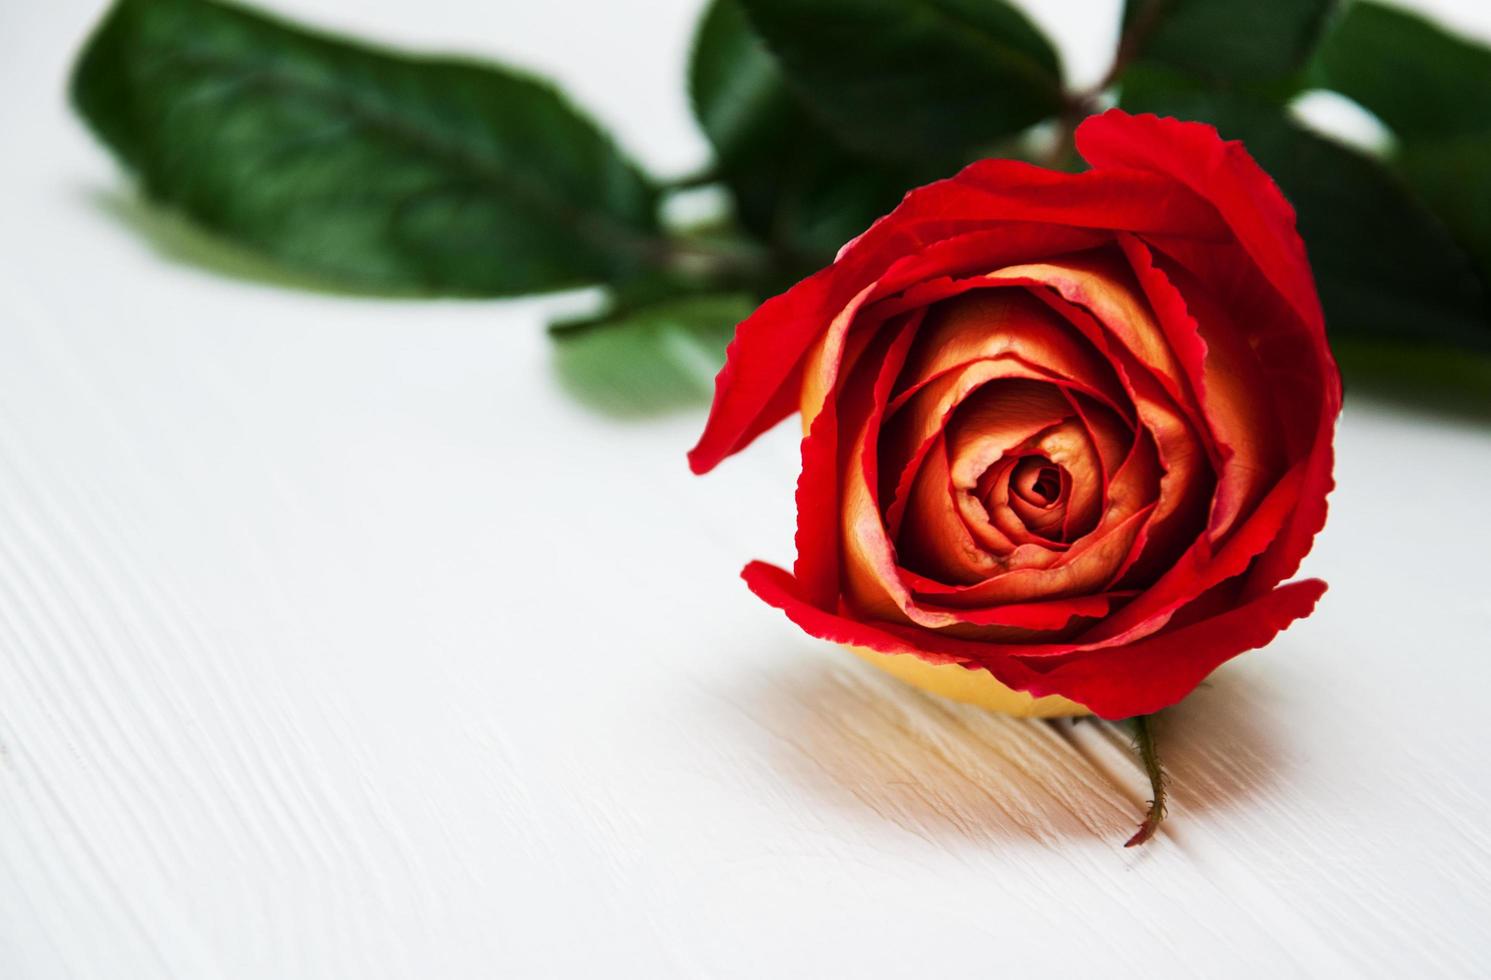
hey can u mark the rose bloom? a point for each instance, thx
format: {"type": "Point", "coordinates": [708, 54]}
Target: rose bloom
{"type": "Point", "coordinates": [1064, 433]}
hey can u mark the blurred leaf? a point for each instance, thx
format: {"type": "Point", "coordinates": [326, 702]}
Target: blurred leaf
{"type": "Point", "coordinates": [1386, 267]}
{"type": "Point", "coordinates": [652, 358]}
{"type": "Point", "coordinates": [176, 238]}
{"type": "Point", "coordinates": [1419, 79]}
{"type": "Point", "coordinates": [371, 167]}
{"type": "Point", "coordinates": [793, 184]}
{"type": "Point", "coordinates": [1449, 382]}
{"type": "Point", "coordinates": [1433, 90]}
{"type": "Point", "coordinates": [738, 93]}
{"type": "Point", "coordinates": [1454, 177]}
{"type": "Point", "coordinates": [913, 80]}
{"type": "Point", "coordinates": [1229, 41]}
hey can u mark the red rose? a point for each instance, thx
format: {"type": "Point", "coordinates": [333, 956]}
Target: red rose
{"type": "Point", "coordinates": [1073, 430]}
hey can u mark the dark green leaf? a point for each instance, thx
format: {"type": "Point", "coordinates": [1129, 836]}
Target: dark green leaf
{"type": "Point", "coordinates": [737, 89]}
{"type": "Point", "coordinates": [913, 79]}
{"type": "Point", "coordinates": [1420, 80]}
{"type": "Point", "coordinates": [793, 184]}
{"type": "Point", "coordinates": [651, 358]}
{"type": "Point", "coordinates": [1242, 41]}
{"type": "Point", "coordinates": [1385, 265]}
{"type": "Point", "coordinates": [368, 166]}
{"type": "Point", "coordinates": [1447, 381]}
{"type": "Point", "coordinates": [1454, 177]}
{"type": "Point", "coordinates": [1433, 90]}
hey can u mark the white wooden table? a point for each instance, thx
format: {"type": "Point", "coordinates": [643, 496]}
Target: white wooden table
{"type": "Point", "coordinates": [337, 640]}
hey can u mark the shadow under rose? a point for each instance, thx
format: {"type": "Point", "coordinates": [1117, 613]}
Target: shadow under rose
{"type": "Point", "coordinates": [950, 773]}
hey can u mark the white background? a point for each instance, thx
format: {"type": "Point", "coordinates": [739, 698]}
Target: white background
{"type": "Point", "coordinates": [337, 640]}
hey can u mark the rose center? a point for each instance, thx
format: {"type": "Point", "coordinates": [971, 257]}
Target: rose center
{"type": "Point", "coordinates": [1038, 482]}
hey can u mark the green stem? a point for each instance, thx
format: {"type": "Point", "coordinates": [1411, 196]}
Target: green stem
{"type": "Point", "coordinates": [1078, 105]}
{"type": "Point", "coordinates": [700, 178]}
{"type": "Point", "coordinates": [1144, 741]}
{"type": "Point", "coordinates": [715, 261]}
{"type": "Point", "coordinates": [1130, 43]}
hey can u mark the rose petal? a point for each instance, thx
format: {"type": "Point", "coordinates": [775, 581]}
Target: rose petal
{"type": "Point", "coordinates": [758, 386]}
{"type": "Point", "coordinates": [1200, 568]}
{"type": "Point", "coordinates": [1111, 442]}
{"type": "Point", "coordinates": [818, 496]}
{"type": "Point", "coordinates": [990, 322]}
{"type": "Point", "coordinates": [1100, 283]}
{"type": "Point", "coordinates": [933, 539]}
{"type": "Point", "coordinates": [1155, 673]}
{"type": "Point", "coordinates": [1000, 419]}
{"type": "Point", "coordinates": [920, 421]}
{"type": "Point", "coordinates": [1095, 561]}
{"type": "Point", "coordinates": [1114, 683]}
{"type": "Point", "coordinates": [1248, 200]}
{"type": "Point", "coordinates": [1227, 380]}
{"type": "Point", "coordinates": [986, 513]}
{"type": "Point", "coordinates": [1070, 447]}
{"type": "Point", "coordinates": [1194, 156]}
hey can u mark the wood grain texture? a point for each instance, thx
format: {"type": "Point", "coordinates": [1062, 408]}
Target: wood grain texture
{"type": "Point", "coordinates": [336, 640]}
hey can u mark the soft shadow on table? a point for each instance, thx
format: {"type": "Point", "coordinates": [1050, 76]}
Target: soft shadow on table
{"type": "Point", "coordinates": [866, 745]}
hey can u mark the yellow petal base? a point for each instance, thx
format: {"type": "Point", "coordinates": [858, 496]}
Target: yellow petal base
{"type": "Point", "coordinates": [969, 686]}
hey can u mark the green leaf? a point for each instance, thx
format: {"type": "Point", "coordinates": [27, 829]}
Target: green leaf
{"type": "Point", "coordinates": [1433, 90]}
{"type": "Point", "coordinates": [1228, 41]}
{"type": "Point", "coordinates": [1447, 381]}
{"type": "Point", "coordinates": [1454, 177]}
{"type": "Point", "coordinates": [1420, 80]}
{"type": "Point", "coordinates": [374, 168]}
{"type": "Point", "coordinates": [652, 358]}
{"type": "Point", "coordinates": [792, 182]}
{"type": "Point", "coordinates": [1386, 267]}
{"type": "Point", "coordinates": [911, 80]}
{"type": "Point", "coordinates": [737, 90]}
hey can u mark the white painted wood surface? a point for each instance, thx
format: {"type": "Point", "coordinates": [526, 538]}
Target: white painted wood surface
{"type": "Point", "coordinates": [336, 640]}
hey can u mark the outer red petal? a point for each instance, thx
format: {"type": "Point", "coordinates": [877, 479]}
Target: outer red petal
{"type": "Point", "coordinates": [1195, 156]}
{"type": "Point", "coordinates": [1159, 671]}
{"type": "Point", "coordinates": [1117, 682]}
